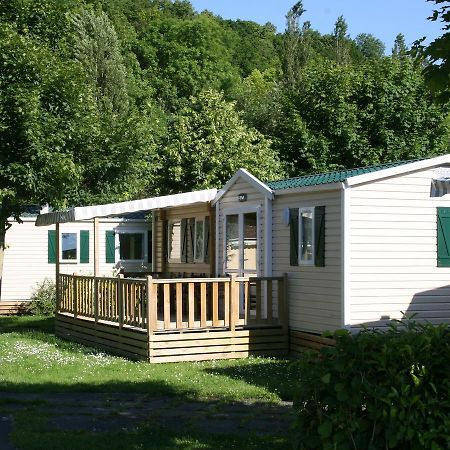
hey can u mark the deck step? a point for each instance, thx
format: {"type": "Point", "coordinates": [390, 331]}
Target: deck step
{"type": "Point", "coordinates": [13, 307]}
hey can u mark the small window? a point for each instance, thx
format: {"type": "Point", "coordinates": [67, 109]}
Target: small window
{"type": "Point", "coordinates": [199, 253]}
{"type": "Point", "coordinates": [174, 240]}
{"type": "Point", "coordinates": [69, 247]}
{"type": "Point", "coordinates": [306, 237]}
{"type": "Point", "coordinates": [131, 246]}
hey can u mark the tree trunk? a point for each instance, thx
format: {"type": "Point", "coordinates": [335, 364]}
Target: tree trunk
{"type": "Point", "coordinates": [4, 226]}
{"type": "Point", "coordinates": [2, 252]}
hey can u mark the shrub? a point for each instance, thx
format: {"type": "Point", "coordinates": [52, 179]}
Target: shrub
{"type": "Point", "coordinates": [377, 390]}
{"type": "Point", "coordinates": [43, 299]}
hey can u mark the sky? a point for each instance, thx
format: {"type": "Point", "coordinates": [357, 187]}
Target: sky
{"type": "Point", "coordinates": [383, 18]}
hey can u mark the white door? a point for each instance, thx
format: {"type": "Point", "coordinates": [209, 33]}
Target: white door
{"type": "Point", "coordinates": [241, 244]}
{"type": "Point", "coordinates": [242, 250]}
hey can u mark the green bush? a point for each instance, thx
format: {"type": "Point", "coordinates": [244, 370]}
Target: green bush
{"type": "Point", "coordinates": [43, 299]}
{"type": "Point", "coordinates": [377, 390]}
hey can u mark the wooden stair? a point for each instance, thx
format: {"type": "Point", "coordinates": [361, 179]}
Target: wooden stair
{"type": "Point", "coordinates": [13, 307]}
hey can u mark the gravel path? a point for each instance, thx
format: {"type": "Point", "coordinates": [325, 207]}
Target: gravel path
{"type": "Point", "coordinates": [94, 412]}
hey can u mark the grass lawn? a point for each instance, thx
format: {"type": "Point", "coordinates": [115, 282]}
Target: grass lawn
{"type": "Point", "coordinates": [33, 360]}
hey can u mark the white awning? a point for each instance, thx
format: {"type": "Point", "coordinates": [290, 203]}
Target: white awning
{"type": "Point", "coordinates": [440, 186]}
{"type": "Point", "coordinates": [111, 209]}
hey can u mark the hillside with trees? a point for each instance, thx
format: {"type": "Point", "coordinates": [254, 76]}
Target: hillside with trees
{"type": "Point", "coordinates": [107, 100]}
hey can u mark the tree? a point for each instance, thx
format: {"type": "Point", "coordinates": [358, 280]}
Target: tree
{"type": "Point", "coordinates": [124, 144]}
{"type": "Point", "coordinates": [437, 72]}
{"type": "Point", "coordinates": [341, 45]}
{"type": "Point", "coordinates": [207, 142]}
{"type": "Point", "coordinates": [96, 46]}
{"type": "Point", "coordinates": [358, 115]}
{"type": "Point", "coordinates": [291, 50]}
{"type": "Point", "coordinates": [46, 122]}
{"type": "Point", "coordinates": [257, 97]}
{"type": "Point", "coordinates": [400, 49]}
{"type": "Point", "coordinates": [370, 46]}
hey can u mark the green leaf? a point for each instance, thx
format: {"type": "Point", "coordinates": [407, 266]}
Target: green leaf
{"type": "Point", "coordinates": [326, 378]}
{"type": "Point", "coordinates": [325, 429]}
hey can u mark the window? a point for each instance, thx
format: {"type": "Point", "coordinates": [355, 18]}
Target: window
{"type": "Point", "coordinates": [199, 249]}
{"type": "Point", "coordinates": [73, 247]}
{"type": "Point", "coordinates": [306, 237]}
{"type": "Point", "coordinates": [69, 247]}
{"type": "Point", "coordinates": [131, 246]}
{"type": "Point", "coordinates": [174, 241]}
{"type": "Point", "coordinates": [232, 242]}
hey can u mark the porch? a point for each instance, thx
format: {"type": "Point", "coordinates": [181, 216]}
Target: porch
{"type": "Point", "coordinates": [180, 319]}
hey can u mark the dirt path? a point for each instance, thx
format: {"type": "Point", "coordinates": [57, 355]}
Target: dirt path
{"type": "Point", "coordinates": [93, 412]}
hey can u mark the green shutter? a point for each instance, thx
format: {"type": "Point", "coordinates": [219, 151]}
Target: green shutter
{"type": "Point", "coordinates": [166, 240]}
{"type": "Point", "coordinates": [51, 252]}
{"type": "Point", "coordinates": [184, 240]}
{"type": "Point", "coordinates": [293, 225]}
{"type": "Point", "coordinates": [149, 246]}
{"type": "Point", "coordinates": [191, 229]}
{"type": "Point", "coordinates": [443, 237]}
{"type": "Point", "coordinates": [206, 243]}
{"type": "Point", "coordinates": [110, 246]}
{"type": "Point", "coordinates": [84, 246]}
{"type": "Point", "coordinates": [319, 236]}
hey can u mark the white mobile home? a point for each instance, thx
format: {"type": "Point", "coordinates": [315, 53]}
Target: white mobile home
{"type": "Point", "coordinates": [344, 249]}
{"type": "Point", "coordinates": [360, 247]}
{"type": "Point", "coordinates": [30, 252]}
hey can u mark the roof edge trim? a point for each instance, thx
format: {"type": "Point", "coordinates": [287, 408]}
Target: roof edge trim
{"type": "Point", "coordinates": [251, 179]}
{"type": "Point", "coordinates": [398, 170]}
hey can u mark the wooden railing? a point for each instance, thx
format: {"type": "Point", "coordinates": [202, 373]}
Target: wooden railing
{"type": "Point", "coordinates": [176, 304]}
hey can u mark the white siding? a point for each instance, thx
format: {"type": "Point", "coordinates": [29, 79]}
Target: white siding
{"type": "Point", "coordinates": [26, 256]}
{"type": "Point", "coordinates": [393, 265]}
{"type": "Point", "coordinates": [229, 201]}
{"type": "Point", "coordinates": [314, 293]}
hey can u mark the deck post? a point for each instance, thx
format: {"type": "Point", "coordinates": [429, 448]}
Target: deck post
{"type": "Point", "coordinates": [96, 247]}
{"type": "Point", "coordinates": [57, 270]}
{"type": "Point", "coordinates": [282, 302]}
{"type": "Point", "coordinates": [232, 309]}
{"type": "Point", "coordinates": [120, 299]}
{"type": "Point", "coordinates": [150, 329]}
{"type": "Point", "coordinates": [150, 310]}
{"type": "Point", "coordinates": [75, 296]}
{"type": "Point", "coordinates": [233, 295]}
{"type": "Point", "coordinates": [95, 287]}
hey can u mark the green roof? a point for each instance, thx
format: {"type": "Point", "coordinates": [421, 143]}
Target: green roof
{"type": "Point", "coordinates": [330, 177]}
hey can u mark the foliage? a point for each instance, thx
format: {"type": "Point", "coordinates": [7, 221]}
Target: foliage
{"type": "Point", "coordinates": [400, 49]}
{"type": "Point", "coordinates": [438, 53]}
{"type": "Point", "coordinates": [208, 142]}
{"type": "Point", "coordinates": [370, 46]}
{"type": "Point", "coordinates": [257, 97]}
{"type": "Point", "coordinates": [43, 299]}
{"type": "Point", "coordinates": [350, 115]}
{"type": "Point", "coordinates": [377, 390]}
{"type": "Point", "coordinates": [45, 122]}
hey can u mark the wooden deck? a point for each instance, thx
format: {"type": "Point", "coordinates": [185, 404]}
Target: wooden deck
{"type": "Point", "coordinates": [169, 320]}
{"type": "Point", "coordinates": [13, 307]}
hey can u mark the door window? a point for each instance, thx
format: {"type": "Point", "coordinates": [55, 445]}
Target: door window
{"type": "Point", "coordinates": [232, 242]}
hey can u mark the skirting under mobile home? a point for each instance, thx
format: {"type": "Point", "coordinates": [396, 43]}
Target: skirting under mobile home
{"type": "Point", "coordinates": [356, 248]}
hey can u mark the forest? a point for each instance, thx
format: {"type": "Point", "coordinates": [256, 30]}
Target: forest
{"type": "Point", "coordinates": [109, 100]}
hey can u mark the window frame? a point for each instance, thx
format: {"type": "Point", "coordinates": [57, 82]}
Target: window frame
{"type": "Point", "coordinates": [77, 235]}
{"type": "Point", "coordinates": [312, 261]}
{"type": "Point", "coordinates": [168, 246]}
{"type": "Point", "coordinates": [144, 246]}
{"type": "Point", "coordinates": [202, 258]}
